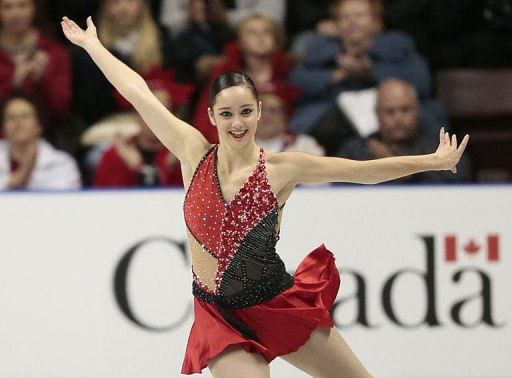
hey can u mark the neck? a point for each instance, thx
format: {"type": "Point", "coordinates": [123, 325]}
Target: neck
{"type": "Point", "coordinates": [232, 160]}
{"type": "Point", "coordinates": [16, 39]}
{"type": "Point", "coordinates": [259, 68]}
{"type": "Point", "coordinates": [17, 151]}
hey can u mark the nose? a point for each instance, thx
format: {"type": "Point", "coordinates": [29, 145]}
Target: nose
{"type": "Point", "coordinates": [237, 122]}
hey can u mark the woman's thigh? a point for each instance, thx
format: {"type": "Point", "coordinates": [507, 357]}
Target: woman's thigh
{"type": "Point", "coordinates": [235, 362]}
{"type": "Point", "coordinates": [327, 355]}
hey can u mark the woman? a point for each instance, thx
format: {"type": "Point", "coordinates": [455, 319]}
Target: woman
{"type": "Point", "coordinates": [27, 161]}
{"type": "Point", "coordinates": [273, 133]}
{"type": "Point", "coordinates": [128, 30]}
{"type": "Point", "coordinates": [139, 159]}
{"type": "Point", "coordinates": [30, 62]}
{"type": "Point", "coordinates": [244, 299]}
{"type": "Point", "coordinates": [257, 53]}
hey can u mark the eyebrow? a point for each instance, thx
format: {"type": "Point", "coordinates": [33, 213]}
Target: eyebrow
{"type": "Point", "coordinates": [241, 106]}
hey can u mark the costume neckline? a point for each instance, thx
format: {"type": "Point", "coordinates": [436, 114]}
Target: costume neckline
{"type": "Point", "coordinates": [246, 182]}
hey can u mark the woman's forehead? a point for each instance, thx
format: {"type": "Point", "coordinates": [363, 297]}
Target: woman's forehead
{"type": "Point", "coordinates": [18, 103]}
{"type": "Point", "coordinates": [235, 97]}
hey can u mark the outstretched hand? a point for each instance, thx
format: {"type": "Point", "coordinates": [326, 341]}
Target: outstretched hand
{"type": "Point", "coordinates": [76, 34]}
{"type": "Point", "coordinates": [448, 151]}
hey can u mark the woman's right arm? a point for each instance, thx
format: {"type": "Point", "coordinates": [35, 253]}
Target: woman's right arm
{"type": "Point", "coordinates": [183, 140]}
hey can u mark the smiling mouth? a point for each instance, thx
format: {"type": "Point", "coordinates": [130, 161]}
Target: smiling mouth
{"type": "Point", "coordinates": [238, 134]}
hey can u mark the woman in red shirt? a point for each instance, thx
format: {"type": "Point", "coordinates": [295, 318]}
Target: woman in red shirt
{"type": "Point", "coordinates": [257, 53]}
{"type": "Point", "coordinates": [30, 62]}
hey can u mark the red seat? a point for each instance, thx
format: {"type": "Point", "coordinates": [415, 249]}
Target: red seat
{"type": "Point", "coordinates": [479, 102]}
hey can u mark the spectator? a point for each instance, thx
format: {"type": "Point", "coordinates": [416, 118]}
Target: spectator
{"type": "Point", "coordinates": [273, 133]}
{"type": "Point", "coordinates": [175, 16]}
{"type": "Point", "coordinates": [401, 134]}
{"type": "Point", "coordinates": [27, 161]}
{"type": "Point", "coordinates": [304, 18]}
{"type": "Point", "coordinates": [127, 29]}
{"type": "Point", "coordinates": [30, 62]}
{"type": "Point", "coordinates": [258, 53]}
{"type": "Point", "coordinates": [141, 160]}
{"type": "Point", "coordinates": [360, 58]}
{"type": "Point", "coordinates": [199, 47]}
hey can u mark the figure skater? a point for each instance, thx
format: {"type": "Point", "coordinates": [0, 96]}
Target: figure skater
{"type": "Point", "coordinates": [247, 308]}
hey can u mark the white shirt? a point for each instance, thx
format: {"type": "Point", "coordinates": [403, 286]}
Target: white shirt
{"type": "Point", "coordinates": [301, 142]}
{"type": "Point", "coordinates": [53, 170]}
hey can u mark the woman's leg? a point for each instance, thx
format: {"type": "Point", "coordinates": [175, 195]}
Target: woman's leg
{"type": "Point", "coordinates": [327, 355]}
{"type": "Point", "coordinates": [235, 362]}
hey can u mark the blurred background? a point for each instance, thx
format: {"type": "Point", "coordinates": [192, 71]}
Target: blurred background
{"type": "Point", "coordinates": [359, 79]}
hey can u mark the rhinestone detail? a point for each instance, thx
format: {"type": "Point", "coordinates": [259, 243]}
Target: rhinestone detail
{"type": "Point", "coordinates": [240, 234]}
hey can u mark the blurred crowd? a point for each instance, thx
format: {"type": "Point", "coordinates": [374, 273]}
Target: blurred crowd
{"type": "Point", "coordinates": [348, 78]}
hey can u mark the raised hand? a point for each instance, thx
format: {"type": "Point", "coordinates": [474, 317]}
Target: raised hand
{"type": "Point", "coordinates": [448, 151]}
{"type": "Point", "coordinates": [76, 34]}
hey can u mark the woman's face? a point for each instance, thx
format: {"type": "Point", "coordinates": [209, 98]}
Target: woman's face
{"type": "Point", "coordinates": [16, 16]}
{"type": "Point", "coordinates": [273, 117]}
{"type": "Point", "coordinates": [235, 113]}
{"type": "Point", "coordinates": [257, 37]}
{"type": "Point", "coordinates": [20, 122]}
{"type": "Point", "coordinates": [124, 13]}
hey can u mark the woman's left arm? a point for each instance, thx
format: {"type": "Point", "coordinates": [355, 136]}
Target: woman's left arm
{"type": "Point", "coordinates": [307, 168]}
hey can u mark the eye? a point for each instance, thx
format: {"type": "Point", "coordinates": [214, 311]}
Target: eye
{"type": "Point", "coordinates": [226, 114]}
{"type": "Point", "coordinates": [246, 111]}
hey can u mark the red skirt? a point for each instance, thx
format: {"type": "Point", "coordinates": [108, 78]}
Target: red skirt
{"type": "Point", "coordinates": [283, 324]}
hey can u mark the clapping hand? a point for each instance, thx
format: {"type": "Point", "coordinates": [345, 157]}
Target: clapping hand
{"type": "Point", "coordinates": [21, 177]}
{"type": "Point", "coordinates": [448, 152]}
{"type": "Point", "coordinates": [76, 34]}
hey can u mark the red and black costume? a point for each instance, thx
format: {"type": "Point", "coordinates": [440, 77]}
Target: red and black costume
{"type": "Point", "coordinates": [243, 294]}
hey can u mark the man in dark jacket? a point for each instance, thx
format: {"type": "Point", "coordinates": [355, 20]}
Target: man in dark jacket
{"type": "Point", "coordinates": [360, 58]}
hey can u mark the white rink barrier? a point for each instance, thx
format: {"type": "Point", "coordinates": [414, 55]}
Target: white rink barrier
{"type": "Point", "coordinates": [97, 284]}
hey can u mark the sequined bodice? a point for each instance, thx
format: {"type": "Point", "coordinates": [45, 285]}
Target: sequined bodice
{"type": "Point", "coordinates": [233, 244]}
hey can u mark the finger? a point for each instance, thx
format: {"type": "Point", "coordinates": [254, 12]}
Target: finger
{"type": "Point", "coordinates": [72, 24]}
{"type": "Point", "coordinates": [66, 21]}
{"type": "Point", "coordinates": [454, 169]}
{"type": "Point", "coordinates": [441, 136]}
{"type": "Point", "coordinates": [447, 138]}
{"type": "Point", "coordinates": [463, 144]}
{"type": "Point", "coordinates": [454, 141]}
{"type": "Point", "coordinates": [65, 27]}
{"type": "Point", "coordinates": [89, 22]}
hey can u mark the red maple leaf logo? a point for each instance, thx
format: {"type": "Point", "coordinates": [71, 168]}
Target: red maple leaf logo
{"type": "Point", "coordinates": [472, 247]}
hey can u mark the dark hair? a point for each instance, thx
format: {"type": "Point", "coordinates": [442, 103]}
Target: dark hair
{"type": "Point", "coordinates": [39, 113]}
{"type": "Point", "coordinates": [231, 79]}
